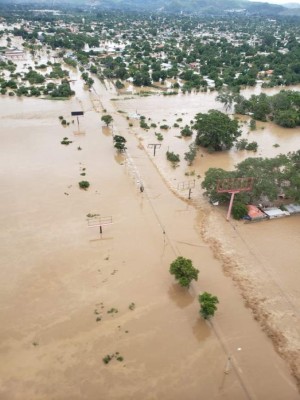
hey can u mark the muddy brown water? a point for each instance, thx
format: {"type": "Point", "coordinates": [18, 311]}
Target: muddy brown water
{"type": "Point", "coordinates": [58, 276]}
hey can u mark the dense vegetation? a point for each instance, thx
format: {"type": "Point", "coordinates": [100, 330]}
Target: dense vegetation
{"type": "Point", "coordinates": [273, 177]}
{"type": "Point", "coordinates": [199, 53]}
{"type": "Point", "coordinates": [216, 131]}
{"type": "Point", "coordinates": [282, 108]}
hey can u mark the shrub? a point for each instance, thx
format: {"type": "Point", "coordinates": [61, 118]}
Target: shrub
{"type": "Point", "coordinates": [252, 125]}
{"type": "Point", "coordinates": [84, 185]}
{"type": "Point", "coordinates": [107, 359]}
{"type": "Point", "coordinates": [241, 144]}
{"type": "Point", "coordinates": [252, 146]}
{"type": "Point", "coordinates": [172, 156]}
{"type": "Point", "coordinates": [186, 131]}
{"type": "Point", "coordinates": [144, 125]}
{"type": "Point", "coordinates": [66, 141]}
{"type": "Point", "coordinates": [190, 155]}
{"type": "Point", "coordinates": [239, 210]}
{"type": "Point", "coordinates": [159, 136]}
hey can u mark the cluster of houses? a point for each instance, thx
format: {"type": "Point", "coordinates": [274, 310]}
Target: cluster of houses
{"type": "Point", "coordinates": [259, 213]}
{"type": "Point", "coordinates": [113, 41]}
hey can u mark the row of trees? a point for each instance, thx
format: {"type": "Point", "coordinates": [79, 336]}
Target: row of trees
{"type": "Point", "coordinates": [182, 268]}
{"type": "Point", "coordinates": [62, 90]}
{"type": "Point", "coordinates": [184, 272]}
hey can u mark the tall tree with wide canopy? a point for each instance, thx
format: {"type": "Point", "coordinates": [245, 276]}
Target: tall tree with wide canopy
{"type": "Point", "coordinates": [216, 131]}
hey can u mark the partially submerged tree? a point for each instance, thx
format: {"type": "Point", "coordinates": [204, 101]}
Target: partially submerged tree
{"type": "Point", "coordinates": [184, 271]}
{"type": "Point", "coordinates": [208, 305]}
{"type": "Point", "coordinates": [84, 185]}
{"type": "Point", "coordinates": [186, 131]}
{"type": "Point", "coordinates": [190, 155]}
{"type": "Point", "coordinates": [239, 210]}
{"type": "Point", "coordinates": [107, 119]}
{"type": "Point", "coordinates": [216, 131]}
{"type": "Point", "coordinates": [119, 143]}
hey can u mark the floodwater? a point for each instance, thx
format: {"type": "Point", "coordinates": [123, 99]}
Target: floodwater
{"type": "Point", "coordinates": [65, 291]}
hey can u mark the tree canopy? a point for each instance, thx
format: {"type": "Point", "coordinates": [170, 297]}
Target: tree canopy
{"type": "Point", "coordinates": [283, 108]}
{"type": "Point", "coordinates": [107, 119]}
{"type": "Point", "coordinates": [208, 304]}
{"type": "Point", "coordinates": [216, 131]}
{"type": "Point", "coordinates": [272, 177]}
{"type": "Point", "coordinates": [119, 143]}
{"type": "Point", "coordinates": [184, 271]}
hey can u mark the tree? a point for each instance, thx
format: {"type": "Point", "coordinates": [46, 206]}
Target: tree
{"type": "Point", "coordinates": [186, 131]}
{"type": "Point", "coordinates": [239, 210]}
{"type": "Point", "coordinates": [107, 119]}
{"type": "Point", "coordinates": [190, 155]}
{"type": "Point", "coordinates": [212, 176]}
{"type": "Point", "coordinates": [252, 125]}
{"type": "Point", "coordinates": [287, 118]}
{"type": "Point", "coordinates": [84, 185]}
{"type": "Point", "coordinates": [184, 271]}
{"type": "Point", "coordinates": [119, 143]}
{"type": "Point", "coordinates": [227, 98]}
{"type": "Point", "coordinates": [207, 305]}
{"type": "Point", "coordinates": [63, 90]}
{"type": "Point", "coordinates": [215, 130]}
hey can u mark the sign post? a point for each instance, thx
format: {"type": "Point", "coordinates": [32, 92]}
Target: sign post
{"type": "Point", "coordinates": [99, 222]}
{"type": "Point", "coordinates": [233, 186]}
{"type": "Point", "coordinates": [187, 185]}
{"type": "Point", "coordinates": [77, 114]}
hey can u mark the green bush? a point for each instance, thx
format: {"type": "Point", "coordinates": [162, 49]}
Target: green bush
{"type": "Point", "coordinates": [172, 156]}
{"type": "Point", "coordinates": [66, 141]}
{"type": "Point", "coordinates": [241, 144]}
{"type": "Point", "coordinates": [239, 210]}
{"type": "Point", "coordinates": [159, 136]}
{"type": "Point", "coordinates": [84, 185]}
{"type": "Point", "coordinates": [252, 146]}
{"type": "Point", "coordinates": [190, 155]}
{"type": "Point", "coordinates": [186, 131]}
{"type": "Point", "coordinates": [144, 125]}
{"type": "Point", "coordinates": [252, 125]}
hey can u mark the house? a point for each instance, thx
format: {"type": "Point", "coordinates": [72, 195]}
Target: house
{"type": "Point", "coordinates": [274, 212]}
{"type": "Point", "coordinates": [255, 213]}
{"type": "Point", "coordinates": [14, 54]}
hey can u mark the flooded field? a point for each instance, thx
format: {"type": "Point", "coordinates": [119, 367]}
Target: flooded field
{"type": "Point", "coordinates": [65, 291]}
